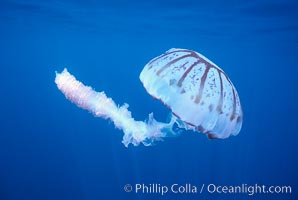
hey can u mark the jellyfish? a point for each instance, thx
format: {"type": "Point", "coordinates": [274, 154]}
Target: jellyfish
{"type": "Point", "coordinates": [198, 93]}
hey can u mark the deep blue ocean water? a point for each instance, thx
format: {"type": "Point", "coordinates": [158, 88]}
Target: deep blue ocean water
{"type": "Point", "coordinates": [50, 149]}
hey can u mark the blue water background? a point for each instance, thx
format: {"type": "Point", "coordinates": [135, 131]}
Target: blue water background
{"type": "Point", "coordinates": [50, 149]}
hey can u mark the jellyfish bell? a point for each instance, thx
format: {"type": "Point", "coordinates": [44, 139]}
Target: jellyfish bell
{"type": "Point", "coordinates": [196, 90]}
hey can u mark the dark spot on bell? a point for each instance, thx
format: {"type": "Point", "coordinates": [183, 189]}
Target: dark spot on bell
{"type": "Point", "coordinates": [201, 129]}
{"type": "Point", "coordinates": [232, 117]}
{"type": "Point", "coordinates": [211, 136]}
{"type": "Point", "coordinates": [211, 107]}
{"type": "Point", "coordinates": [239, 119]}
{"type": "Point", "coordinates": [219, 110]}
{"type": "Point", "coordinates": [172, 82]}
{"type": "Point", "coordinates": [197, 99]}
{"type": "Point", "coordinates": [182, 91]}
